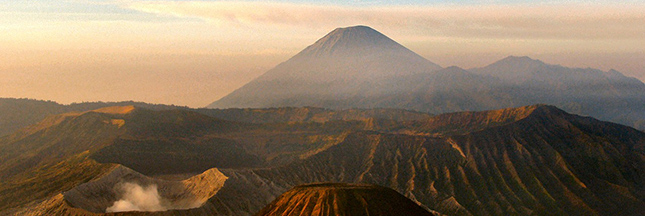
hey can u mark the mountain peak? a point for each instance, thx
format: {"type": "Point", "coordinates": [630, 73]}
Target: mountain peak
{"type": "Point", "coordinates": [354, 40]}
{"type": "Point", "coordinates": [346, 61]}
{"type": "Point", "coordinates": [454, 69]}
{"type": "Point", "coordinates": [357, 28]}
{"type": "Point", "coordinates": [519, 60]}
{"type": "Point", "coordinates": [516, 69]}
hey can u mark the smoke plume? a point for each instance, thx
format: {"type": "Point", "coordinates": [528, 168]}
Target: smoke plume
{"type": "Point", "coordinates": [137, 198]}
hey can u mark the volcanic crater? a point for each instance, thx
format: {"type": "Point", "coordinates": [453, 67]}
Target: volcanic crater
{"type": "Point", "coordinates": [125, 190]}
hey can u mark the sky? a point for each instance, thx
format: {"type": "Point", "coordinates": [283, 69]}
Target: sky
{"type": "Point", "coordinates": [192, 53]}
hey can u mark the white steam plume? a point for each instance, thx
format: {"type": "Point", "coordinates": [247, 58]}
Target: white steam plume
{"type": "Point", "coordinates": [137, 198]}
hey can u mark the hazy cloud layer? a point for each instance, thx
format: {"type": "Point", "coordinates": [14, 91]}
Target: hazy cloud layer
{"type": "Point", "coordinates": [562, 21]}
{"type": "Point", "coordinates": [194, 52]}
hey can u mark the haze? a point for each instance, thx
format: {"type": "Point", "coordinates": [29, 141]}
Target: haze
{"type": "Point", "coordinates": [194, 52]}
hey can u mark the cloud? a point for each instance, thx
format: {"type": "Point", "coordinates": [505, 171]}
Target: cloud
{"type": "Point", "coordinates": [542, 21]}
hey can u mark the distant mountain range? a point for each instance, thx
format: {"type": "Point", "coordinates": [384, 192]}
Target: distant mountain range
{"type": "Point", "coordinates": [358, 67]}
{"type": "Point", "coordinates": [533, 160]}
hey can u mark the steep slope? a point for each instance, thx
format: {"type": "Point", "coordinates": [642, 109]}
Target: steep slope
{"type": "Point", "coordinates": [329, 70]}
{"type": "Point", "coordinates": [341, 199]}
{"type": "Point", "coordinates": [542, 162]}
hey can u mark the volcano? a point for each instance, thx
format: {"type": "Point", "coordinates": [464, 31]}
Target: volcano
{"type": "Point", "coordinates": [346, 63]}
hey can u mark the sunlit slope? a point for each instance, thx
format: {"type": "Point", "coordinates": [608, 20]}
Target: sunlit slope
{"type": "Point", "coordinates": [326, 199]}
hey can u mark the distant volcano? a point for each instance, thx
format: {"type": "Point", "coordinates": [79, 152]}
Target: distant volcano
{"type": "Point", "coordinates": [338, 66]}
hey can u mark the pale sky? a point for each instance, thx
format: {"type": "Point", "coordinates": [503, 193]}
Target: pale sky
{"type": "Point", "coordinates": [195, 52]}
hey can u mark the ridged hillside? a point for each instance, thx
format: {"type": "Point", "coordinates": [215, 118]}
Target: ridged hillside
{"type": "Point", "coordinates": [326, 199]}
{"type": "Point", "coordinates": [534, 160]}
{"type": "Point", "coordinates": [549, 162]}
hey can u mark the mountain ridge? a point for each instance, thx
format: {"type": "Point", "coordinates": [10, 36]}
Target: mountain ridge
{"type": "Point", "coordinates": [520, 69]}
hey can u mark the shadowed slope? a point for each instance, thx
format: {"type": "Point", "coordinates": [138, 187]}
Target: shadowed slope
{"type": "Point", "coordinates": [327, 199]}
